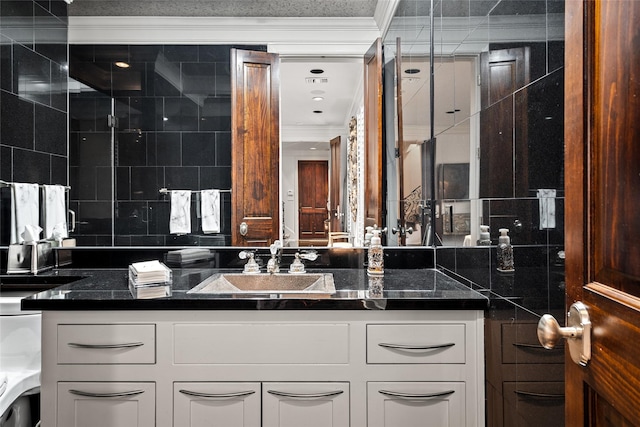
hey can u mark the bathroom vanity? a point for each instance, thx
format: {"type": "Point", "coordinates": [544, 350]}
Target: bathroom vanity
{"type": "Point", "coordinates": [371, 354]}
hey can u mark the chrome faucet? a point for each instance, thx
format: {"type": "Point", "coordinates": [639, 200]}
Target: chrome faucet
{"type": "Point", "coordinates": [273, 263]}
{"type": "Point", "coordinates": [251, 267]}
{"type": "Point", "coordinates": [297, 267]}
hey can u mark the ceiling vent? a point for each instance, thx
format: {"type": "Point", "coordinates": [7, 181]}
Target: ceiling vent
{"type": "Point", "coordinates": [316, 80]}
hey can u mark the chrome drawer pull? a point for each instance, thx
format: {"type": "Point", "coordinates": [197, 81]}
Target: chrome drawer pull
{"type": "Point", "coordinates": [538, 395]}
{"type": "Point", "coordinates": [536, 347]}
{"type": "Point", "coordinates": [416, 347]}
{"type": "Point", "coordinates": [103, 346]}
{"type": "Point", "coordinates": [106, 395]}
{"type": "Point", "coordinates": [305, 395]}
{"type": "Point", "coordinates": [413, 396]}
{"type": "Point", "coordinates": [218, 395]}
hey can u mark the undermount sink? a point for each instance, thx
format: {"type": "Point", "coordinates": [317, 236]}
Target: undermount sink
{"type": "Point", "coordinates": [314, 284]}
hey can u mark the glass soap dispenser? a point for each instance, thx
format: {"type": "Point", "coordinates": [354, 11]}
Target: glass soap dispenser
{"type": "Point", "coordinates": [505, 252]}
{"type": "Point", "coordinates": [375, 255]}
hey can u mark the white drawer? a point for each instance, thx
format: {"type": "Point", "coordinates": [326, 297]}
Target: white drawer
{"type": "Point", "coordinates": [416, 343]}
{"type": "Point", "coordinates": [106, 344]}
{"type": "Point", "coordinates": [258, 343]}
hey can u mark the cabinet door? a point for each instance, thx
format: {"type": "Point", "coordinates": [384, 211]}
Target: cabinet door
{"type": "Point", "coordinates": [88, 404]}
{"type": "Point", "coordinates": [419, 404]}
{"type": "Point", "coordinates": [305, 404]}
{"type": "Point", "coordinates": [216, 404]}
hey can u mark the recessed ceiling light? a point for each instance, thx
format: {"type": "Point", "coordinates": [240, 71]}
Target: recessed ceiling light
{"type": "Point", "coordinates": [312, 148]}
{"type": "Point", "coordinates": [317, 111]}
{"type": "Point", "coordinates": [316, 71]}
{"type": "Point", "coordinates": [412, 70]}
{"type": "Point", "coordinates": [317, 98]}
{"type": "Point", "coordinates": [122, 64]}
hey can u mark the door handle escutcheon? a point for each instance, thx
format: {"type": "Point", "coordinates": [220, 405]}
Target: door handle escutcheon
{"type": "Point", "coordinates": [244, 229]}
{"type": "Point", "coordinates": [577, 333]}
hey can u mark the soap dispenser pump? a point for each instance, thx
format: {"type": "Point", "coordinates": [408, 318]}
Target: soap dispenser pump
{"type": "Point", "coordinates": [485, 239]}
{"type": "Point", "coordinates": [375, 254]}
{"type": "Point", "coordinates": [505, 252]}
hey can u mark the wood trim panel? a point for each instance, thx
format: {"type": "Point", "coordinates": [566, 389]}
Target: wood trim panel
{"type": "Point", "coordinates": [575, 197]}
{"type": "Point", "coordinates": [373, 64]}
{"type": "Point", "coordinates": [255, 142]}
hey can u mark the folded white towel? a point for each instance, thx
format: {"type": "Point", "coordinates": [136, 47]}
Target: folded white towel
{"type": "Point", "coordinates": [54, 212]}
{"type": "Point", "coordinates": [180, 216]}
{"type": "Point", "coordinates": [210, 210]}
{"type": "Point", "coordinates": [547, 208]}
{"type": "Point", "coordinates": [25, 209]}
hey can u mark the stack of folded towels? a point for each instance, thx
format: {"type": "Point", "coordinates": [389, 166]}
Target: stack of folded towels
{"type": "Point", "coordinates": [150, 279]}
{"type": "Point", "coordinates": [188, 256]}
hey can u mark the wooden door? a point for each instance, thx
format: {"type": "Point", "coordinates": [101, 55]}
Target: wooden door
{"type": "Point", "coordinates": [400, 144]}
{"type": "Point", "coordinates": [313, 193]}
{"type": "Point", "coordinates": [502, 73]}
{"type": "Point", "coordinates": [373, 142]}
{"type": "Point", "coordinates": [336, 208]}
{"type": "Point", "coordinates": [255, 153]}
{"type": "Point", "coordinates": [503, 138]}
{"type": "Point", "coordinates": [602, 161]}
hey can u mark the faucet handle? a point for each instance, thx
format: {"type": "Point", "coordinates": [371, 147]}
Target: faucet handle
{"type": "Point", "coordinates": [251, 267]}
{"type": "Point", "coordinates": [275, 246]}
{"type": "Point", "coordinates": [296, 267]}
{"type": "Point", "coordinates": [309, 255]}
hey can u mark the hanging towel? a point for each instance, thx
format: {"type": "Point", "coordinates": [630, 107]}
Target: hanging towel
{"type": "Point", "coordinates": [210, 210]}
{"type": "Point", "coordinates": [25, 209]}
{"type": "Point", "coordinates": [54, 212]}
{"type": "Point", "coordinates": [180, 217]}
{"type": "Point", "coordinates": [547, 201]}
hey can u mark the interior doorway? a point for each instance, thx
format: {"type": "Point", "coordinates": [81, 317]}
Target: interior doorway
{"type": "Point", "coordinates": [313, 196]}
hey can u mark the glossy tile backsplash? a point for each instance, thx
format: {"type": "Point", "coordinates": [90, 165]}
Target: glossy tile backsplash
{"type": "Point", "coordinates": [33, 95]}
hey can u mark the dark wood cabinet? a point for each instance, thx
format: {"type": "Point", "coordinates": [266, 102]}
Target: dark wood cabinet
{"type": "Point", "coordinates": [525, 382]}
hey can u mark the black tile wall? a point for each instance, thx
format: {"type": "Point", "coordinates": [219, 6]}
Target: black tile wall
{"type": "Point", "coordinates": [33, 95]}
{"type": "Point", "coordinates": [173, 106]}
{"type": "Point", "coordinates": [537, 286]}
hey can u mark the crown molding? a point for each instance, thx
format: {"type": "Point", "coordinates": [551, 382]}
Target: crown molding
{"type": "Point", "coordinates": [385, 10]}
{"type": "Point", "coordinates": [289, 36]}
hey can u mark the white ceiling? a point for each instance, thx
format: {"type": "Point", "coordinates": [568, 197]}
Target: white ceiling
{"type": "Point", "coordinates": [228, 8]}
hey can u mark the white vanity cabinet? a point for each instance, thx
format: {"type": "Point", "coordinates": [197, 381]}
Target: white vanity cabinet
{"type": "Point", "coordinates": [197, 404]}
{"type": "Point", "coordinates": [105, 404]}
{"type": "Point", "coordinates": [255, 404]}
{"type": "Point", "coordinates": [305, 404]}
{"type": "Point", "coordinates": [271, 368]}
{"type": "Point", "coordinates": [393, 404]}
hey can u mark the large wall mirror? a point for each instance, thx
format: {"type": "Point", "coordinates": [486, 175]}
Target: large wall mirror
{"type": "Point", "coordinates": [497, 117]}
{"type": "Point", "coordinates": [172, 111]}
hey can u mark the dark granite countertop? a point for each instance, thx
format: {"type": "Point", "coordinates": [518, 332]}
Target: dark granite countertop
{"type": "Point", "coordinates": [402, 289]}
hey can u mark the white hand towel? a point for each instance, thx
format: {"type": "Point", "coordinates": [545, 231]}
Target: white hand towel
{"type": "Point", "coordinates": [180, 217]}
{"type": "Point", "coordinates": [547, 207]}
{"type": "Point", "coordinates": [54, 212]}
{"type": "Point", "coordinates": [210, 210]}
{"type": "Point", "coordinates": [25, 209]}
